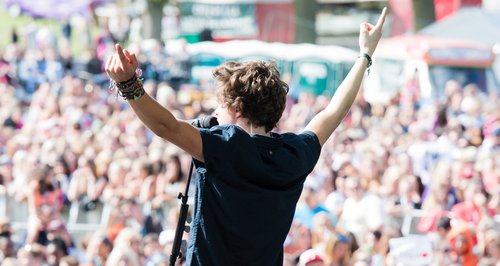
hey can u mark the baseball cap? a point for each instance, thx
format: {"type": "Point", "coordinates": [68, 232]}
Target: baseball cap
{"type": "Point", "coordinates": [309, 256]}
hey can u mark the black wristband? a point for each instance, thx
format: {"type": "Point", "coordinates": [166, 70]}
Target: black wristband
{"type": "Point", "coordinates": [367, 56]}
{"type": "Point", "coordinates": [131, 80]}
{"type": "Point", "coordinates": [369, 64]}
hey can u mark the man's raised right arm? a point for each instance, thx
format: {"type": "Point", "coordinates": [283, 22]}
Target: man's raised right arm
{"type": "Point", "coordinates": [121, 67]}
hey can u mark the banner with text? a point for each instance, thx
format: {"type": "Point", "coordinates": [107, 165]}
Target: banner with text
{"type": "Point", "coordinates": [232, 20]}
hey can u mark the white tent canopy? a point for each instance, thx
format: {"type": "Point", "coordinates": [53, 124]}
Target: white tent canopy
{"type": "Point", "coordinates": [473, 24]}
{"type": "Point", "coordinates": [282, 51]}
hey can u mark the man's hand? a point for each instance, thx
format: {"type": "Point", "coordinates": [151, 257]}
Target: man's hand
{"type": "Point", "coordinates": [122, 65]}
{"type": "Point", "coordinates": [369, 35]}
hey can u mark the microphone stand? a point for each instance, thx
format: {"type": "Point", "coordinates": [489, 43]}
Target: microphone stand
{"type": "Point", "coordinates": [204, 122]}
{"type": "Point", "coordinates": [181, 224]}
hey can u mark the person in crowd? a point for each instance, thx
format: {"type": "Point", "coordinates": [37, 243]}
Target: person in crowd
{"type": "Point", "coordinates": [440, 198]}
{"type": "Point", "coordinates": [311, 257]}
{"type": "Point", "coordinates": [129, 240]}
{"type": "Point", "coordinates": [337, 251]}
{"type": "Point", "coordinates": [85, 185]}
{"type": "Point", "coordinates": [152, 250]}
{"type": "Point", "coordinates": [6, 247]}
{"type": "Point", "coordinates": [68, 261]}
{"type": "Point", "coordinates": [322, 228]}
{"type": "Point", "coordinates": [334, 202]}
{"type": "Point", "coordinates": [56, 249]}
{"type": "Point", "coordinates": [298, 240]}
{"type": "Point", "coordinates": [440, 237]}
{"type": "Point", "coordinates": [123, 257]}
{"type": "Point", "coordinates": [98, 249]}
{"type": "Point", "coordinates": [490, 255]}
{"type": "Point", "coordinates": [474, 207]}
{"type": "Point", "coordinates": [31, 255]}
{"type": "Point", "coordinates": [45, 202]}
{"type": "Point", "coordinates": [362, 212]}
{"type": "Point", "coordinates": [462, 242]}
{"type": "Point", "coordinates": [308, 207]}
{"type": "Point", "coordinates": [114, 190]}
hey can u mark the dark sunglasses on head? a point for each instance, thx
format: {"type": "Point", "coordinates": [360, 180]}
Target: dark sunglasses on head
{"type": "Point", "coordinates": [343, 238]}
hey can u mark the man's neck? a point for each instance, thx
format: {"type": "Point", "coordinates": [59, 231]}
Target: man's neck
{"type": "Point", "coordinates": [251, 129]}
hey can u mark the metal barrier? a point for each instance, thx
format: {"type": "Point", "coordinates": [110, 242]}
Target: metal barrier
{"type": "Point", "coordinates": [88, 220]}
{"type": "Point", "coordinates": [78, 221]}
{"type": "Point", "coordinates": [410, 222]}
{"type": "Point", "coordinates": [3, 205]}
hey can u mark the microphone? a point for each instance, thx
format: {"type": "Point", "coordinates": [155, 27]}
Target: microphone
{"type": "Point", "coordinates": [204, 122]}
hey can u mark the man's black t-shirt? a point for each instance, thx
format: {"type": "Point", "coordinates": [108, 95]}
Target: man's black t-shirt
{"type": "Point", "coordinates": [246, 192]}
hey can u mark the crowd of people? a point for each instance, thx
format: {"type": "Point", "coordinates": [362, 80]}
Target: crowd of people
{"type": "Point", "coordinates": [66, 138]}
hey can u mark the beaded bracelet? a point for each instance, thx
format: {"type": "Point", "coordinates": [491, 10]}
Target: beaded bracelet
{"type": "Point", "coordinates": [131, 89]}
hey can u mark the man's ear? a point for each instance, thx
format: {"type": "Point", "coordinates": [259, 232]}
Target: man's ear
{"type": "Point", "coordinates": [237, 115]}
{"type": "Point", "coordinates": [234, 112]}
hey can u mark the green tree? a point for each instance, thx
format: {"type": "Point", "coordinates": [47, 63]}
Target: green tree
{"type": "Point", "coordinates": [153, 17]}
{"type": "Point", "coordinates": [305, 21]}
{"type": "Point", "coordinates": [423, 14]}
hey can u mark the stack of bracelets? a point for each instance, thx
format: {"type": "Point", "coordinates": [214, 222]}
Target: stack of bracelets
{"type": "Point", "coordinates": [131, 89]}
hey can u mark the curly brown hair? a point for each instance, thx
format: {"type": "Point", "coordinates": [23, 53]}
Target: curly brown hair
{"type": "Point", "coordinates": [253, 89]}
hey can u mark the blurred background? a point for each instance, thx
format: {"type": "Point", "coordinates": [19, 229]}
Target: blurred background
{"type": "Point", "coordinates": [411, 176]}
